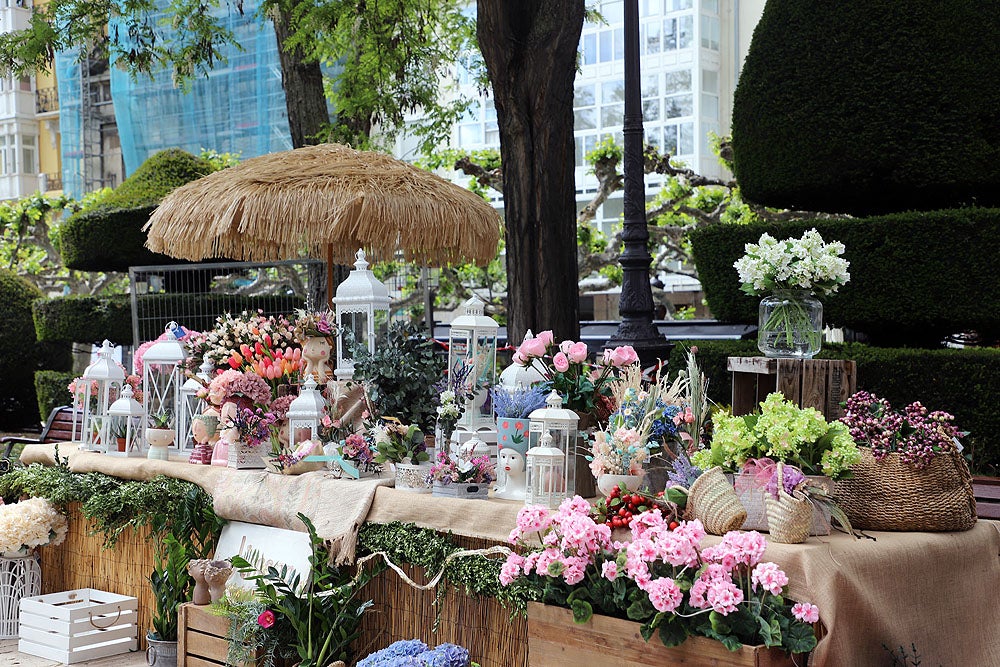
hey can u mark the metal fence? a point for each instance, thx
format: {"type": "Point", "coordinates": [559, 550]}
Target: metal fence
{"type": "Point", "coordinates": [193, 295]}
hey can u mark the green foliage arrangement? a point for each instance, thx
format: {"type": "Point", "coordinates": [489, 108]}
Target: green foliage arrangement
{"type": "Point", "coordinates": [319, 617]}
{"type": "Point", "coordinates": [19, 355]}
{"type": "Point", "coordinates": [170, 582]}
{"type": "Point", "coordinates": [399, 377]}
{"type": "Point", "coordinates": [52, 392]}
{"type": "Point", "coordinates": [962, 382]}
{"type": "Point", "coordinates": [905, 289]}
{"type": "Point", "coordinates": [838, 107]}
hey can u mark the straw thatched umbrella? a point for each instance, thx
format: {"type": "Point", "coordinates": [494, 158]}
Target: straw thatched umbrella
{"type": "Point", "coordinates": [325, 200]}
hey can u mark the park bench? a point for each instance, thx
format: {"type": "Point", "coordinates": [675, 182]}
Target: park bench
{"type": "Point", "coordinates": [58, 428]}
{"type": "Point", "coordinates": [987, 492]}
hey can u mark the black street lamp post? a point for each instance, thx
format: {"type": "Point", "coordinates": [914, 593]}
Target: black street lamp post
{"type": "Point", "coordinates": [636, 304]}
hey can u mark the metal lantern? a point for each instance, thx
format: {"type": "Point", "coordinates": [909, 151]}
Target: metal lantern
{"type": "Point", "coordinates": [191, 405]}
{"type": "Point", "coordinates": [362, 304]}
{"type": "Point", "coordinates": [127, 410]}
{"type": "Point", "coordinates": [472, 354]}
{"type": "Point", "coordinates": [517, 376]}
{"type": "Point", "coordinates": [305, 414]}
{"type": "Point", "coordinates": [162, 377]}
{"type": "Point", "coordinates": [548, 480]}
{"type": "Point", "coordinates": [107, 377]}
{"type": "Point", "coordinates": [560, 425]}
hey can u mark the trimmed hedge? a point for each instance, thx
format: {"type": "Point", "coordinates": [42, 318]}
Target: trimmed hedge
{"type": "Point", "coordinates": [963, 382]}
{"type": "Point", "coordinates": [842, 107]}
{"type": "Point", "coordinates": [89, 319]}
{"type": "Point", "coordinates": [109, 237]}
{"type": "Point", "coordinates": [915, 277]}
{"type": "Point", "coordinates": [51, 389]}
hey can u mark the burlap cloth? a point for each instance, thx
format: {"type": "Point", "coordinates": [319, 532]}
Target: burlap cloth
{"type": "Point", "coordinates": [939, 591]}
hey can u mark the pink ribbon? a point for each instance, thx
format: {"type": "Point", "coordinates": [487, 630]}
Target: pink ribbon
{"type": "Point", "coordinates": [761, 470]}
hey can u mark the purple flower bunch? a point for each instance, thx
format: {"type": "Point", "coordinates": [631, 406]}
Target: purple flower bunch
{"type": "Point", "coordinates": [253, 424]}
{"type": "Point", "coordinates": [915, 433]}
{"type": "Point", "coordinates": [415, 653]}
{"type": "Point", "coordinates": [517, 402]}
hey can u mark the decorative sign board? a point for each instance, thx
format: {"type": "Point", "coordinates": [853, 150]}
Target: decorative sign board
{"type": "Point", "coordinates": [273, 546]}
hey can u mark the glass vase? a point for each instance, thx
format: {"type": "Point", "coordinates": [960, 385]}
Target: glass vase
{"type": "Point", "coordinates": [790, 325]}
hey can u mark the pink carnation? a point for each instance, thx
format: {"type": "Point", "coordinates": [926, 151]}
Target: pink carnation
{"type": "Point", "coordinates": [805, 612]}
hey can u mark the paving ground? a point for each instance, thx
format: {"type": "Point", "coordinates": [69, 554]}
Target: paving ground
{"type": "Point", "coordinates": [9, 657]}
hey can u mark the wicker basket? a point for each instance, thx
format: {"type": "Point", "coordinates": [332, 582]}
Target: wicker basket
{"type": "Point", "coordinates": [713, 500]}
{"type": "Point", "coordinates": [891, 495]}
{"type": "Point", "coordinates": [789, 517]}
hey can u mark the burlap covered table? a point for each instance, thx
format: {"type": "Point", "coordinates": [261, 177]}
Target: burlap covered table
{"type": "Point", "coordinates": [937, 591]}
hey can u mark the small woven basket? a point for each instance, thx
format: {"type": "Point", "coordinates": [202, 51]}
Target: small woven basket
{"type": "Point", "coordinates": [891, 495]}
{"type": "Point", "coordinates": [789, 517]}
{"type": "Point", "coordinates": [713, 500]}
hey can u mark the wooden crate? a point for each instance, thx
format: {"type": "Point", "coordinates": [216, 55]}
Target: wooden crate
{"type": "Point", "coordinates": [555, 640]}
{"type": "Point", "coordinates": [809, 383]}
{"type": "Point", "coordinates": [78, 625]}
{"type": "Point", "coordinates": [201, 637]}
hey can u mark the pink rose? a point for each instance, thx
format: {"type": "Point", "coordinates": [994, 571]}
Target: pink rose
{"type": "Point", "coordinates": [518, 358]}
{"type": "Point", "coordinates": [533, 347]}
{"type": "Point", "coordinates": [545, 337]}
{"type": "Point", "coordinates": [565, 345]}
{"type": "Point", "coordinates": [560, 362]}
{"type": "Point", "coordinates": [577, 353]}
{"type": "Point", "coordinates": [623, 356]}
{"type": "Point", "coordinates": [266, 619]}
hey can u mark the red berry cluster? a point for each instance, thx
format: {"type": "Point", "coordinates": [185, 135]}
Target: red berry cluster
{"type": "Point", "coordinates": [621, 505]}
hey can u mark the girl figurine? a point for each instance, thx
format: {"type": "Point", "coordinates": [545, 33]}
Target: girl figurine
{"type": "Point", "coordinates": [510, 477]}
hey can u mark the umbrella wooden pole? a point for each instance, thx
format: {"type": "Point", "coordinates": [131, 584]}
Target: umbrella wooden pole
{"type": "Point", "coordinates": [330, 269]}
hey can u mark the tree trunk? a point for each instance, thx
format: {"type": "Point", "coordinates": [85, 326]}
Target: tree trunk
{"type": "Point", "coordinates": [530, 51]}
{"type": "Point", "coordinates": [302, 81]}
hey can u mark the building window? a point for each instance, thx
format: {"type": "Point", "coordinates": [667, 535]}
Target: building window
{"type": "Point", "coordinates": [585, 108]}
{"type": "Point", "coordinates": [710, 32]}
{"type": "Point", "coordinates": [612, 103]}
{"type": "Point", "coordinates": [710, 94]}
{"type": "Point", "coordinates": [25, 84]}
{"type": "Point", "coordinates": [29, 154]}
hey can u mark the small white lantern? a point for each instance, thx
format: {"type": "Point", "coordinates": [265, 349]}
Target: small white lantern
{"type": "Point", "coordinates": [560, 425]}
{"type": "Point", "coordinates": [162, 377]}
{"type": "Point", "coordinates": [517, 376]}
{"type": "Point", "coordinates": [305, 414]}
{"type": "Point", "coordinates": [548, 481]}
{"type": "Point", "coordinates": [362, 304]}
{"type": "Point", "coordinates": [472, 353]}
{"type": "Point", "coordinates": [191, 405]}
{"type": "Point", "coordinates": [127, 410]}
{"type": "Point", "coordinates": [108, 378]}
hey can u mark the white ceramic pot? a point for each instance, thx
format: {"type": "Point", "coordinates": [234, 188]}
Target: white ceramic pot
{"type": "Point", "coordinates": [413, 478]}
{"type": "Point", "coordinates": [605, 483]}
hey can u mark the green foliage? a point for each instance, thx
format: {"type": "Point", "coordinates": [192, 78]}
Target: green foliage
{"type": "Point", "coordinates": [51, 387]}
{"type": "Point", "coordinates": [84, 319]}
{"type": "Point", "coordinates": [905, 286]}
{"type": "Point", "coordinates": [108, 236]}
{"type": "Point", "coordinates": [322, 613]}
{"type": "Point", "coordinates": [170, 582]}
{"type": "Point", "coordinates": [404, 443]}
{"type": "Point", "coordinates": [962, 382]}
{"type": "Point", "coordinates": [839, 106]}
{"type": "Point", "coordinates": [19, 354]}
{"type": "Point", "coordinates": [400, 375]}
{"type": "Point", "coordinates": [54, 483]}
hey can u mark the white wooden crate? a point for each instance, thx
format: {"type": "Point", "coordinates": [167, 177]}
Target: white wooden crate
{"type": "Point", "coordinates": [78, 625]}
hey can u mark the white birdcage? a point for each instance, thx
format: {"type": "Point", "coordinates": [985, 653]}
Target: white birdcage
{"type": "Point", "coordinates": [560, 425]}
{"type": "Point", "coordinates": [105, 378]}
{"type": "Point", "coordinates": [126, 410]}
{"type": "Point", "coordinates": [305, 414]}
{"type": "Point", "coordinates": [191, 405]}
{"type": "Point", "coordinates": [472, 354]}
{"type": "Point", "coordinates": [162, 376]}
{"type": "Point", "coordinates": [547, 475]}
{"type": "Point", "coordinates": [362, 304]}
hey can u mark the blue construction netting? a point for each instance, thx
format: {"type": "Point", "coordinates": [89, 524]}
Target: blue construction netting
{"type": "Point", "coordinates": [67, 71]}
{"type": "Point", "coordinates": [238, 108]}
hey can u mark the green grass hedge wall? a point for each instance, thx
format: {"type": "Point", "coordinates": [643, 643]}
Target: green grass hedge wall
{"type": "Point", "coordinates": [52, 392]}
{"type": "Point", "coordinates": [915, 277]}
{"type": "Point", "coordinates": [867, 107]}
{"type": "Point", "coordinates": [963, 382]}
{"type": "Point", "coordinates": [19, 354]}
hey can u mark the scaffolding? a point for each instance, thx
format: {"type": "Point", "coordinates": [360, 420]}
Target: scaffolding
{"type": "Point", "coordinates": [89, 137]}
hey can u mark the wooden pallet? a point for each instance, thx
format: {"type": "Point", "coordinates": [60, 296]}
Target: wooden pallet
{"type": "Point", "coordinates": [987, 492]}
{"type": "Point", "coordinates": [818, 383]}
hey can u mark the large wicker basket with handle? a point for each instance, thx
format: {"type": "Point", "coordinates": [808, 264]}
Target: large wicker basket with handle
{"type": "Point", "coordinates": [789, 516]}
{"type": "Point", "coordinates": [713, 500]}
{"type": "Point", "coordinates": [892, 495]}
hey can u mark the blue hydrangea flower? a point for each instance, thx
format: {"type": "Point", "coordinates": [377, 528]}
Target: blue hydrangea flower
{"type": "Point", "coordinates": [395, 651]}
{"type": "Point", "coordinates": [456, 655]}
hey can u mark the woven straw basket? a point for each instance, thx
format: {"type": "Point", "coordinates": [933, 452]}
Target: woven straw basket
{"type": "Point", "coordinates": [891, 495]}
{"type": "Point", "coordinates": [789, 517]}
{"type": "Point", "coordinates": [713, 500]}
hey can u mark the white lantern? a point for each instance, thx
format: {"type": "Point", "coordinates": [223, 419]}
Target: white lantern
{"type": "Point", "coordinates": [560, 425]}
{"type": "Point", "coordinates": [162, 377]}
{"type": "Point", "coordinates": [472, 354]}
{"type": "Point", "coordinates": [126, 410]}
{"type": "Point", "coordinates": [362, 304]}
{"type": "Point", "coordinates": [107, 377]}
{"type": "Point", "coordinates": [517, 376]}
{"type": "Point", "coordinates": [547, 475]}
{"type": "Point", "coordinates": [191, 405]}
{"type": "Point", "coordinates": [305, 414]}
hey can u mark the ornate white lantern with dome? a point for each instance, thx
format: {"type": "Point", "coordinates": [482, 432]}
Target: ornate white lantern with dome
{"type": "Point", "coordinates": [305, 414]}
{"type": "Point", "coordinates": [102, 379]}
{"type": "Point", "coordinates": [162, 376]}
{"type": "Point", "coordinates": [547, 475]}
{"type": "Point", "coordinates": [128, 412]}
{"type": "Point", "coordinates": [362, 307]}
{"type": "Point", "coordinates": [472, 355]}
{"type": "Point", "coordinates": [559, 425]}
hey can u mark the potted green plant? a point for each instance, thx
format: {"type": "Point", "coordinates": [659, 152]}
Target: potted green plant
{"type": "Point", "coordinates": [170, 582]}
{"type": "Point", "coordinates": [403, 446]}
{"type": "Point", "coordinates": [119, 431]}
{"type": "Point", "coordinates": [160, 435]}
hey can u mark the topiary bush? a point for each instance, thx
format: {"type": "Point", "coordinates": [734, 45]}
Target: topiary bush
{"type": "Point", "coordinates": [906, 287]}
{"type": "Point", "coordinates": [963, 382]}
{"type": "Point", "coordinates": [19, 354]}
{"type": "Point", "coordinates": [109, 237]}
{"type": "Point", "coordinates": [865, 108]}
{"type": "Point", "coordinates": [51, 387]}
